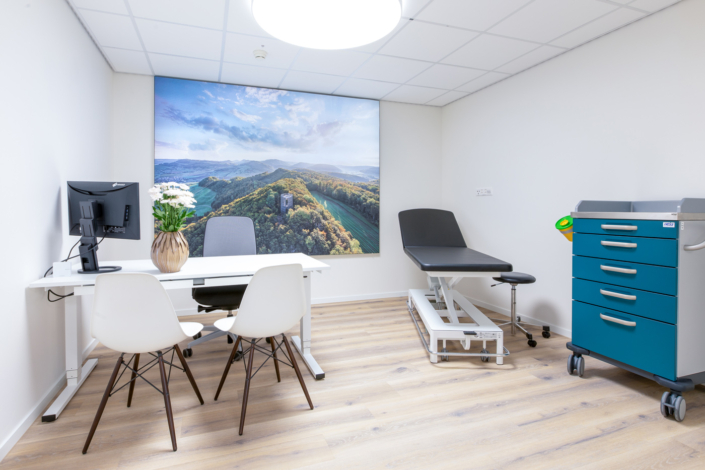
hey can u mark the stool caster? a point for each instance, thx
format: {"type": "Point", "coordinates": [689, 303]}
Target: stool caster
{"type": "Point", "coordinates": [197, 336]}
{"type": "Point", "coordinates": [546, 333]}
{"type": "Point", "coordinates": [576, 363]}
{"type": "Point", "coordinates": [531, 341]}
{"type": "Point", "coordinates": [673, 404]}
{"type": "Point", "coordinates": [188, 352]}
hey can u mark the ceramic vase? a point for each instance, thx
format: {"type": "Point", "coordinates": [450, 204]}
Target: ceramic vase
{"type": "Point", "coordinates": [169, 251]}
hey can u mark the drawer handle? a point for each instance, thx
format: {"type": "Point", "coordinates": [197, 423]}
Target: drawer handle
{"type": "Point", "coordinates": [617, 294]}
{"type": "Point", "coordinates": [618, 244]}
{"type": "Point", "coordinates": [617, 270]}
{"type": "Point", "coordinates": [618, 227]}
{"type": "Point", "coordinates": [617, 320]}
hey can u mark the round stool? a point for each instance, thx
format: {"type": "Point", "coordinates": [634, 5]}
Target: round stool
{"type": "Point", "coordinates": [514, 279]}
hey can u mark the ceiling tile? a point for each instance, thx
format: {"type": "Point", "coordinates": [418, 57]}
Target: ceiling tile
{"type": "Point", "coordinates": [375, 46]}
{"type": "Point", "coordinates": [207, 14]}
{"type": "Point", "coordinates": [534, 57]}
{"type": "Point", "coordinates": [486, 80]}
{"type": "Point", "coordinates": [545, 20]}
{"type": "Point", "coordinates": [112, 30]}
{"type": "Point", "coordinates": [110, 6]}
{"type": "Point", "coordinates": [184, 67]}
{"type": "Point", "coordinates": [598, 27]}
{"type": "Point", "coordinates": [470, 14]}
{"type": "Point", "coordinates": [447, 98]}
{"type": "Point", "coordinates": [411, 7]}
{"type": "Point", "coordinates": [652, 5]}
{"type": "Point", "coordinates": [414, 94]}
{"type": "Point", "coordinates": [240, 48]}
{"type": "Point", "coordinates": [330, 62]}
{"type": "Point", "coordinates": [489, 52]}
{"type": "Point", "coordinates": [448, 77]}
{"type": "Point", "coordinates": [166, 38]}
{"type": "Point", "coordinates": [313, 82]}
{"type": "Point", "coordinates": [240, 19]}
{"type": "Point", "coordinates": [424, 41]}
{"type": "Point", "coordinates": [391, 69]}
{"type": "Point", "coordinates": [365, 88]}
{"type": "Point", "coordinates": [250, 75]}
{"type": "Point", "coordinates": [125, 61]}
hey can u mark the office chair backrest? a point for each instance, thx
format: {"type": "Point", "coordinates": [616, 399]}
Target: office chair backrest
{"type": "Point", "coordinates": [132, 313]}
{"type": "Point", "coordinates": [229, 236]}
{"type": "Point", "coordinates": [430, 227]}
{"type": "Point", "coordinates": [274, 302]}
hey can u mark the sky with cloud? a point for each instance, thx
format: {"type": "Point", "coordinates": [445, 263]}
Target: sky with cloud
{"type": "Point", "coordinates": [215, 121]}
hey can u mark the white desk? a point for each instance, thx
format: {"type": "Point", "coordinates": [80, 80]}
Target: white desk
{"type": "Point", "coordinates": [197, 272]}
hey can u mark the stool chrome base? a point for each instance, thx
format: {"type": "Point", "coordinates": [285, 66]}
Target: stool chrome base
{"type": "Point", "coordinates": [516, 322]}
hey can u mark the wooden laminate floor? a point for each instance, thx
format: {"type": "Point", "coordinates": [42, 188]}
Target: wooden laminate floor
{"type": "Point", "coordinates": [381, 405]}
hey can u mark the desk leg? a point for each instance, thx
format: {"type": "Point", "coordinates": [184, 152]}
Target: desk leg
{"type": "Point", "coordinates": [75, 373]}
{"type": "Point", "coordinates": [303, 343]}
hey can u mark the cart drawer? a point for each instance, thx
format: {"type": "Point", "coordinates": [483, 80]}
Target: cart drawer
{"type": "Point", "coordinates": [646, 344]}
{"type": "Point", "coordinates": [658, 251]}
{"type": "Point", "coordinates": [638, 302]}
{"type": "Point", "coordinates": [639, 276]}
{"type": "Point", "coordinates": [631, 228]}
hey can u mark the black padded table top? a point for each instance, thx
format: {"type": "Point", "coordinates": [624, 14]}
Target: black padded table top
{"type": "Point", "coordinates": [458, 259]}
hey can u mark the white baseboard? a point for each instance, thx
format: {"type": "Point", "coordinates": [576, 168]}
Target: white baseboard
{"type": "Point", "coordinates": [22, 427]}
{"type": "Point", "coordinates": [320, 300]}
{"type": "Point", "coordinates": [505, 311]}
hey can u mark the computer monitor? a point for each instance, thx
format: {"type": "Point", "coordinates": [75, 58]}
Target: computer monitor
{"type": "Point", "coordinates": [102, 209]}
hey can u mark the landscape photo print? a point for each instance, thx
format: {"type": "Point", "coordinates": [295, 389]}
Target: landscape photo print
{"type": "Point", "coordinates": [304, 167]}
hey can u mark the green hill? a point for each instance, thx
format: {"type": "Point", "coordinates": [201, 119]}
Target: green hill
{"type": "Point", "coordinates": [307, 228]}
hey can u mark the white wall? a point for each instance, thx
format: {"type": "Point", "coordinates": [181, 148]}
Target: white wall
{"type": "Point", "coordinates": [620, 118]}
{"type": "Point", "coordinates": [55, 120]}
{"type": "Point", "coordinates": [410, 177]}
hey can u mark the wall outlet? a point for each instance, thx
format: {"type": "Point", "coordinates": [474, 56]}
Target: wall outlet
{"type": "Point", "coordinates": [483, 192]}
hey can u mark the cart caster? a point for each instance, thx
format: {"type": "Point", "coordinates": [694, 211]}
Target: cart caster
{"type": "Point", "coordinates": [576, 363]}
{"type": "Point", "coordinates": [230, 339]}
{"type": "Point", "coordinates": [188, 352]}
{"type": "Point", "coordinates": [197, 336]}
{"type": "Point", "coordinates": [673, 404]}
{"type": "Point", "coordinates": [485, 358]}
{"type": "Point", "coordinates": [546, 333]}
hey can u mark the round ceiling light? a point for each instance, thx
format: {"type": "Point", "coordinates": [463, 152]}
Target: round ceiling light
{"type": "Point", "coordinates": [327, 24]}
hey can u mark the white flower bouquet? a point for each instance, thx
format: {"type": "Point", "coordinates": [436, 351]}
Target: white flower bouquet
{"type": "Point", "coordinates": [172, 202]}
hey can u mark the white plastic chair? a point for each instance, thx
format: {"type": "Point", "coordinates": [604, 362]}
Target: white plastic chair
{"type": "Point", "coordinates": [133, 314]}
{"type": "Point", "coordinates": [273, 303]}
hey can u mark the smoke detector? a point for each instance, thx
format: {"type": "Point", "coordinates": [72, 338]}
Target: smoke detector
{"type": "Point", "coordinates": [260, 54]}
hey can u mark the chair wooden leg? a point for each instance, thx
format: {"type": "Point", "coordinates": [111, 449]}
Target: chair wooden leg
{"type": "Point", "coordinates": [298, 372]}
{"type": "Point", "coordinates": [132, 384]}
{"type": "Point", "coordinates": [184, 364]}
{"type": "Point", "coordinates": [103, 402]}
{"type": "Point", "coordinates": [167, 401]}
{"type": "Point", "coordinates": [227, 367]}
{"type": "Point", "coordinates": [248, 376]}
{"type": "Point", "coordinates": [276, 362]}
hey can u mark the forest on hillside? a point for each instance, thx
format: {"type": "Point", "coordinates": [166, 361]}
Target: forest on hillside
{"type": "Point", "coordinates": [308, 228]}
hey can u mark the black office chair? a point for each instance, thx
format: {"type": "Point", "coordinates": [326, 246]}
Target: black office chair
{"type": "Point", "coordinates": [224, 236]}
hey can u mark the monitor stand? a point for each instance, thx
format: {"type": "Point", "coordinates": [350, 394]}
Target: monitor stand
{"type": "Point", "coordinates": [89, 243]}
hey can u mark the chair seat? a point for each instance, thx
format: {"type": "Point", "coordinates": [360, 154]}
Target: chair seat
{"type": "Point", "coordinates": [225, 297]}
{"type": "Point", "coordinates": [191, 328]}
{"type": "Point", "coordinates": [515, 278]}
{"type": "Point", "coordinates": [224, 324]}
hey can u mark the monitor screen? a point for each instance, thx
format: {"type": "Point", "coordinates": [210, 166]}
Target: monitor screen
{"type": "Point", "coordinates": [118, 208]}
{"type": "Point", "coordinates": [304, 167]}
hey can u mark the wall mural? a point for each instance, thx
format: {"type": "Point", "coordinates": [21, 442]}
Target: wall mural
{"type": "Point", "coordinates": [304, 167]}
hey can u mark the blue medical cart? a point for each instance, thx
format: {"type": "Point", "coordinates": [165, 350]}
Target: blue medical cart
{"type": "Point", "coordinates": [639, 292]}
